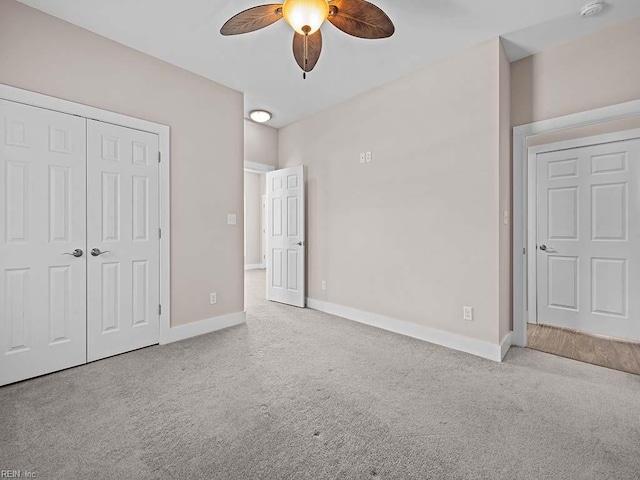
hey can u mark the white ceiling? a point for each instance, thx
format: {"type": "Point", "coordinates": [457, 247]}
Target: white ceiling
{"type": "Point", "coordinates": [260, 64]}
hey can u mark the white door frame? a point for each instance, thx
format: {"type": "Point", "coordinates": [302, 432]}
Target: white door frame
{"type": "Point", "coordinates": [522, 209]}
{"type": "Point", "coordinates": [254, 167]}
{"type": "Point", "coordinates": [264, 224]}
{"type": "Point", "coordinates": [163, 131]}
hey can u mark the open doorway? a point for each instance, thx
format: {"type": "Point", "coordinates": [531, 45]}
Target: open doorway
{"type": "Point", "coordinates": [255, 230]}
{"type": "Point", "coordinates": [254, 220]}
{"type": "Point", "coordinates": [274, 232]}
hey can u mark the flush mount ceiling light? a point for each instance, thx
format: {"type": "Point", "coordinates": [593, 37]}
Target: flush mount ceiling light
{"type": "Point", "coordinates": [592, 8]}
{"type": "Point", "coordinates": [358, 18]}
{"type": "Point", "coordinates": [260, 116]}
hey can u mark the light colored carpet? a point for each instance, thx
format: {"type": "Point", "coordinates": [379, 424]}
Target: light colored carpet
{"type": "Point", "coordinates": [297, 394]}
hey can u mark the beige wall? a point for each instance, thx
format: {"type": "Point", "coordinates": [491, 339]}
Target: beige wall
{"type": "Point", "coordinates": [504, 146]}
{"type": "Point", "coordinates": [46, 55]}
{"type": "Point", "coordinates": [414, 235]}
{"type": "Point", "coordinates": [629, 123]}
{"type": "Point", "coordinates": [595, 71]}
{"type": "Point", "coordinates": [253, 212]}
{"type": "Point", "coordinates": [260, 143]}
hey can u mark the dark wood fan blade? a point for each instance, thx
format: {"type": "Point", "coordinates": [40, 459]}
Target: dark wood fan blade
{"type": "Point", "coordinates": [360, 19]}
{"type": "Point", "coordinates": [252, 19]}
{"type": "Point", "coordinates": [314, 47]}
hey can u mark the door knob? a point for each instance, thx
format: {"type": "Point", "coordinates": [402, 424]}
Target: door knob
{"type": "Point", "coordinates": [76, 253]}
{"type": "Point", "coordinates": [543, 248]}
{"type": "Point", "coordinates": [96, 252]}
{"type": "Point", "coordinates": [300, 244]}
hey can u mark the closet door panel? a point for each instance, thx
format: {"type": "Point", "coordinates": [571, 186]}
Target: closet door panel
{"type": "Point", "coordinates": [123, 220]}
{"type": "Point", "coordinates": [42, 241]}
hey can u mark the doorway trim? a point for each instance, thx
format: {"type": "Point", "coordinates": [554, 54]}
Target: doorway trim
{"type": "Point", "coordinates": [254, 167]}
{"type": "Point", "coordinates": [521, 207]}
{"type": "Point", "coordinates": [34, 99]}
{"type": "Point", "coordinates": [264, 223]}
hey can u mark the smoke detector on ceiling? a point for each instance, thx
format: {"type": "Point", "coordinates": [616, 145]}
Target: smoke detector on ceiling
{"type": "Point", "coordinates": [592, 8]}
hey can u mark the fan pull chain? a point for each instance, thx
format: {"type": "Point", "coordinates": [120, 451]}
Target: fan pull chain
{"type": "Point", "coordinates": [306, 56]}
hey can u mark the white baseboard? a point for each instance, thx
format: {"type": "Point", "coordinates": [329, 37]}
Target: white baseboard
{"type": "Point", "coordinates": [473, 346]}
{"type": "Point", "coordinates": [255, 266]}
{"type": "Point", "coordinates": [182, 332]}
{"type": "Point", "coordinates": [505, 345]}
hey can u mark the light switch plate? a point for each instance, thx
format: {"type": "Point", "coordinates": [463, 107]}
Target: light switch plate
{"type": "Point", "coordinates": [362, 157]}
{"type": "Point", "coordinates": [231, 219]}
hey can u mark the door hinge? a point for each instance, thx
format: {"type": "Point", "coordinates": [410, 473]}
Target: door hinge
{"type": "Point", "coordinates": [524, 251]}
{"type": "Point", "coordinates": [159, 233]}
{"type": "Point", "coordinates": [159, 309]}
{"type": "Point", "coordinates": [159, 157]}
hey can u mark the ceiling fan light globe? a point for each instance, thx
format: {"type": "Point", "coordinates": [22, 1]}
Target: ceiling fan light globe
{"type": "Point", "coordinates": [305, 16]}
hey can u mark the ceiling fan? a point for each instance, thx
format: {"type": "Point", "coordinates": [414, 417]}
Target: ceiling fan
{"type": "Point", "coordinates": [358, 18]}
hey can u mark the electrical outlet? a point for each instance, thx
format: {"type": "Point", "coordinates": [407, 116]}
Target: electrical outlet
{"type": "Point", "coordinates": [324, 285]}
{"type": "Point", "coordinates": [231, 219]}
{"type": "Point", "coordinates": [468, 314]}
{"type": "Point", "coordinates": [362, 157]}
{"type": "Point", "coordinates": [368, 157]}
{"type": "Point", "coordinates": [213, 298]}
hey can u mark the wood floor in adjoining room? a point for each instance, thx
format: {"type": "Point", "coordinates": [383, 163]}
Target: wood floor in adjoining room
{"type": "Point", "coordinates": [607, 352]}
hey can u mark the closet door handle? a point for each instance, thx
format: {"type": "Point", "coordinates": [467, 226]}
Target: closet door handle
{"type": "Point", "coordinates": [96, 252]}
{"type": "Point", "coordinates": [76, 253]}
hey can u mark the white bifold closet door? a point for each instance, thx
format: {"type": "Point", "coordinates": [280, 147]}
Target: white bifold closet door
{"type": "Point", "coordinates": [79, 251]}
{"type": "Point", "coordinates": [122, 240]}
{"type": "Point", "coordinates": [42, 221]}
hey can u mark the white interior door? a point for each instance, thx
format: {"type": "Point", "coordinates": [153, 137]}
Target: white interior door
{"type": "Point", "coordinates": [42, 218]}
{"type": "Point", "coordinates": [588, 239]}
{"type": "Point", "coordinates": [123, 240]}
{"type": "Point", "coordinates": [286, 244]}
